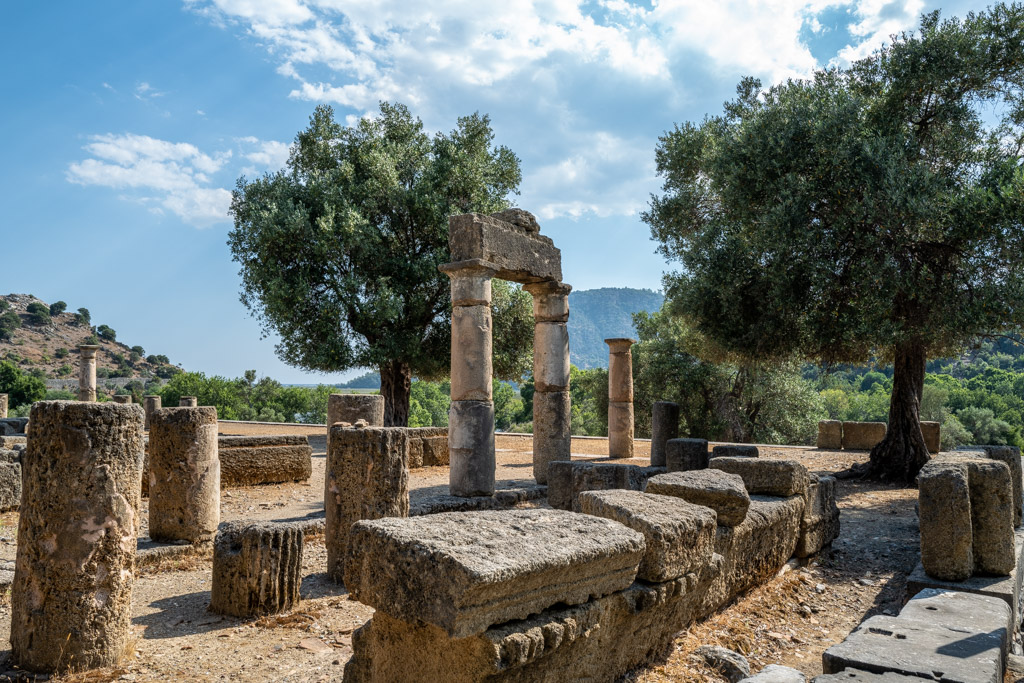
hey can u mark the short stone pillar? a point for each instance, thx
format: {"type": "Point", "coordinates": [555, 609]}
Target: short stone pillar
{"type": "Point", "coordinates": [188, 402]}
{"type": "Point", "coordinates": [151, 403]}
{"type": "Point", "coordinates": [257, 568]}
{"type": "Point", "coordinates": [3, 406]}
{"type": "Point", "coordinates": [87, 372]}
{"type": "Point", "coordinates": [552, 414]}
{"type": "Point", "coordinates": [620, 397]}
{"type": "Point", "coordinates": [664, 426]}
{"type": "Point", "coordinates": [122, 398]}
{"type": "Point", "coordinates": [72, 592]}
{"type": "Point", "coordinates": [471, 416]}
{"type": "Point", "coordinates": [367, 478]}
{"type": "Point", "coordinates": [184, 474]}
{"type": "Point", "coordinates": [351, 408]}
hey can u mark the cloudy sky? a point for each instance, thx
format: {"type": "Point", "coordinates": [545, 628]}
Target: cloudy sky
{"type": "Point", "coordinates": [127, 124]}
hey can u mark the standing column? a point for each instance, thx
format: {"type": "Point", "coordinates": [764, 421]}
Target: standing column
{"type": "Point", "coordinates": [87, 372]}
{"type": "Point", "coordinates": [471, 416]}
{"type": "Point", "coordinates": [188, 402]}
{"type": "Point", "coordinates": [552, 415]}
{"type": "Point", "coordinates": [664, 427]}
{"type": "Point", "coordinates": [72, 592]}
{"type": "Point", "coordinates": [152, 404]}
{"type": "Point", "coordinates": [184, 474]}
{"type": "Point", "coordinates": [620, 398]}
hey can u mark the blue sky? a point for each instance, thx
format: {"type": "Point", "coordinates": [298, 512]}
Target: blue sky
{"type": "Point", "coordinates": [127, 123]}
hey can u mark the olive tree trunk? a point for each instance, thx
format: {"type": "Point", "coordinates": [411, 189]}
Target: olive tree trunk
{"type": "Point", "coordinates": [395, 382]}
{"type": "Point", "coordinates": [902, 453]}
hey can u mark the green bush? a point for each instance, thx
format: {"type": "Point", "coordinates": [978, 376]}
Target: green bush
{"type": "Point", "coordinates": [64, 370]}
{"type": "Point", "coordinates": [91, 340]}
{"type": "Point", "coordinates": [58, 307]}
{"type": "Point", "coordinates": [106, 332]}
{"type": "Point", "coordinates": [139, 350]}
{"type": "Point", "coordinates": [22, 388]}
{"type": "Point", "coordinates": [83, 317]}
{"type": "Point", "coordinates": [61, 353]}
{"type": "Point", "coordinates": [9, 321]}
{"type": "Point", "coordinates": [38, 313]}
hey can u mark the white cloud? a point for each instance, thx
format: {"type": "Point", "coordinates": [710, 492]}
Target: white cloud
{"type": "Point", "coordinates": [878, 20]}
{"type": "Point", "coordinates": [270, 155]}
{"type": "Point", "coordinates": [179, 174]}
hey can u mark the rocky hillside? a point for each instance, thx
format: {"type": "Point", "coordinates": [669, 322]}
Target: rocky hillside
{"type": "Point", "coordinates": [46, 344]}
{"type": "Point", "coordinates": [599, 314]}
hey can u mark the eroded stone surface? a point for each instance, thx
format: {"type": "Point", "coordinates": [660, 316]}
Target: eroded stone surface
{"type": "Point", "coordinates": [830, 434]}
{"type": "Point", "coordinates": [257, 568]}
{"type": "Point", "coordinates": [820, 524]}
{"type": "Point", "coordinates": [862, 436]}
{"type": "Point", "coordinates": [944, 517]}
{"type": "Point", "coordinates": [932, 432]}
{"type": "Point", "coordinates": [721, 491]}
{"type": "Point", "coordinates": [552, 431]}
{"type": "Point", "coordinates": [683, 455]}
{"type": "Point", "coordinates": [566, 480]}
{"type": "Point", "coordinates": [515, 254]}
{"type": "Point", "coordinates": [354, 407]}
{"type": "Point", "coordinates": [1011, 456]}
{"type": "Point", "coordinates": [767, 477]}
{"type": "Point", "coordinates": [464, 572]}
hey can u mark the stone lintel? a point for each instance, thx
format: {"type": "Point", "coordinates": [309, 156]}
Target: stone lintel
{"type": "Point", "coordinates": [520, 256]}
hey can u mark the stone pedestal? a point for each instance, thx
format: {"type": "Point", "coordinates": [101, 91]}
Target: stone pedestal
{"type": "Point", "coordinates": [71, 597]}
{"type": "Point", "coordinates": [471, 416]}
{"type": "Point", "coordinates": [184, 474]}
{"type": "Point", "coordinates": [87, 372]}
{"type": "Point", "coordinates": [122, 398]}
{"type": "Point", "coordinates": [354, 407]}
{"type": "Point", "coordinates": [620, 397]}
{"type": "Point", "coordinates": [151, 404]}
{"type": "Point", "coordinates": [188, 402]}
{"type": "Point", "coordinates": [664, 426]}
{"type": "Point", "coordinates": [257, 568]}
{"type": "Point", "coordinates": [552, 434]}
{"type": "Point", "coordinates": [3, 406]}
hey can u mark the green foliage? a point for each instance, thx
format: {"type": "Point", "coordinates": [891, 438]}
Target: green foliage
{"type": "Point", "coordinates": [339, 252]}
{"type": "Point", "coordinates": [83, 317]}
{"type": "Point", "coordinates": [61, 353]}
{"type": "Point", "coordinates": [64, 370]}
{"type": "Point", "coordinates": [588, 391]}
{"type": "Point", "coordinates": [158, 359]}
{"type": "Point", "coordinates": [22, 388]}
{"type": "Point", "coordinates": [139, 351]}
{"type": "Point", "coordinates": [511, 330]}
{"type": "Point", "coordinates": [507, 406]}
{"type": "Point", "coordinates": [369, 380]}
{"type": "Point", "coordinates": [9, 321]}
{"type": "Point", "coordinates": [38, 313]}
{"type": "Point", "coordinates": [106, 332]}
{"type": "Point", "coordinates": [91, 340]}
{"type": "Point", "coordinates": [58, 307]}
{"type": "Point", "coordinates": [248, 398]}
{"type": "Point", "coordinates": [429, 403]}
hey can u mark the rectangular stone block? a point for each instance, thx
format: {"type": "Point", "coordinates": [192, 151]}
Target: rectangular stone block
{"type": "Point", "coordinates": [1011, 456]}
{"type": "Point", "coordinates": [830, 434]}
{"type": "Point", "coordinates": [913, 648]}
{"type": "Point", "coordinates": [820, 523]}
{"type": "Point", "coordinates": [679, 536]}
{"type": "Point", "coordinates": [464, 572]}
{"type": "Point", "coordinates": [721, 491]}
{"type": "Point", "coordinates": [10, 485]}
{"type": "Point", "coordinates": [932, 436]}
{"type": "Point", "coordinates": [862, 436]}
{"type": "Point", "coordinates": [991, 516]}
{"type": "Point", "coordinates": [683, 455]}
{"type": "Point", "coordinates": [435, 451]}
{"type": "Point", "coordinates": [517, 255]}
{"type": "Point", "coordinates": [858, 676]}
{"type": "Point", "coordinates": [766, 477]}
{"type": "Point", "coordinates": [258, 465]}
{"type": "Point", "coordinates": [567, 480]}
{"type": "Point", "coordinates": [944, 518]}
{"type": "Point", "coordinates": [962, 611]}
{"type": "Point", "coordinates": [417, 440]}
{"type": "Point", "coordinates": [734, 451]}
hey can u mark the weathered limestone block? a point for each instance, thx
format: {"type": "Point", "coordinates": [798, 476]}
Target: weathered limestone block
{"type": "Point", "coordinates": [679, 536]}
{"type": "Point", "coordinates": [721, 491]}
{"type": "Point", "coordinates": [664, 427]}
{"type": "Point", "coordinates": [184, 474]}
{"type": "Point", "coordinates": [775, 673]}
{"type": "Point", "coordinates": [683, 455]}
{"type": "Point", "coordinates": [435, 450]}
{"type": "Point", "coordinates": [367, 478]}
{"type": "Point", "coordinates": [820, 523]}
{"type": "Point", "coordinates": [471, 448]}
{"type": "Point", "coordinates": [10, 481]}
{"type": "Point", "coordinates": [830, 434]}
{"type": "Point", "coordinates": [12, 426]}
{"type": "Point", "coordinates": [471, 353]}
{"type": "Point", "coordinates": [932, 432]}
{"type": "Point", "coordinates": [620, 430]}
{"type": "Point", "coordinates": [515, 254]}
{"type": "Point", "coordinates": [1011, 456]}
{"type": "Point", "coordinates": [3, 405]}
{"type": "Point", "coordinates": [71, 597]}
{"type": "Point", "coordinates": [767, 477]}
{"type": "Point", "coordinates": [734, 451]}
{"type": "Point", "coordinates": [87, 372]}
{"type": "Point", "coordinates": [944, 512]}
{"type": "Point", "coordinates": [122, 398]}
{"type": "Point", "coordinates": [862, 436]}
{"type": "Point", "coordinates": [992, 517]}
{"type": "Point", "coordinates": [354, 407]}
{"type": "Point", "coordinates": [567, 480]}
{"type": "Point", "coordinates": [464, 572]}
{"type": "Point", "coordinates": [188, 402]}
{"type": "Point", "coordinates": [13, 442]}
{"type": "Point", "coordinates": [424, 445]}
{"type": "Point", "coordinates": [552, 431]}
{"type": "Point", "coordinates": [151, 403]}
{"type": "Point", "coordinates": [258, 460]}
{"type": "Point", "coordinates": [257, 568]}
{"type": "Point", "coordinates": [551, 356]}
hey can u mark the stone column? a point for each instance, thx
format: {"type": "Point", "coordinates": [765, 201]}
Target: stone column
{"type": "Point", "coordinates": [184, 474]}
{"type": "Point", "coordinates": [257, 568]}
{"type": "Point", "coordinates": [354, 407]}
{"type": "Point", "coordinates": [188, 402]}
{"type": "Point", "coordinates": [87, 372]}
{"type": "Point", "coordinates": [122, 398]}
{"type": "Point", "coordinates": [664, 426]}
{"type": "Point", "coordinates": [471, 416]}
{"type": "Point", "coordinates": [552, 435]}
{"type": "Point", "coordinates": [620, 397]}
{"type": "Point", "coordinates": [151, 403]}
{"type": "Point", "coordinates": [72, 592]}
{"type": "Point", "coordinates": [3, 406]}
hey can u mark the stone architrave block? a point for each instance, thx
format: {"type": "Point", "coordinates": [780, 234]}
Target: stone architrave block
{"type": "Point", "coordinates": [567, 480]}
{"type": "Point", "coordinates": [683, 455]}
{"type": "Point", "coordinates": [1011, 456]}
{"type": "Point", "coordinates": [664, 428]}
{"type": "Point", "coordinates": [862, 436]}
{"type": "Point", "coordinates": [464, 572]}
{"type": "Point", "coordinates": [721, 491]}
{"type": "Point", "coordinates": [77, 533]}
{"type": "Point", "coordinates": [257, 568]}
{"type": "Point", "coordinates": [914, 648]}
{"type": "Point", "coordinates": [766, 477]}
{"type": "Point", "coordinates": [734, 451]}
{"type": "Point", "coordinates": [367, 478]}
{"type": "Point", "coordinates": [514, 253]}
{"type": "Point", "coordinates": [992, 517]}
{"type": "Point", "coordinates": [944, 518]}
{"type": "Point", "coordinates": [552, 431]}
{"type": "Point", "coordinates": [830, 435]}
{"type": "Point", "coordinates": [820, 524]}
{"type": "Point", "coordinates": [679, 536]}
{"type": "Point", "coordinates": [932, 432]}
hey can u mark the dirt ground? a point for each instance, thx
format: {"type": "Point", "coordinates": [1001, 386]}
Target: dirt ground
{"type": "Point", "coordinates": [790, 620]}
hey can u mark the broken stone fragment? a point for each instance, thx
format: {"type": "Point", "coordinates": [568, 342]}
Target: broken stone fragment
{"type": "Point", "coordinates": [519, 218]}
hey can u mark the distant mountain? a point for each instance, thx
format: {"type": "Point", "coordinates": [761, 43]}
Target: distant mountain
{"type": "Point", "coordinates": [599, 314]}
